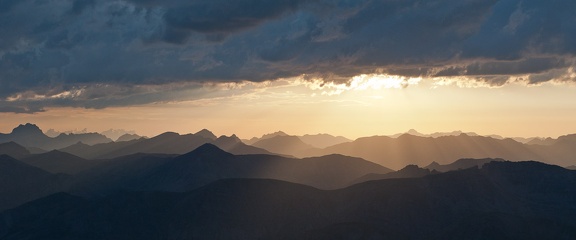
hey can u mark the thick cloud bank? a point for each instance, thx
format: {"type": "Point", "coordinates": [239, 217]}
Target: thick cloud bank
{"type": "Point", "coordinates": [101, 53]}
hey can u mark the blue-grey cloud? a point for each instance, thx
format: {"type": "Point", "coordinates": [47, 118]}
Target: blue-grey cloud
{"type": "Point", "coordinates": [51, 47]}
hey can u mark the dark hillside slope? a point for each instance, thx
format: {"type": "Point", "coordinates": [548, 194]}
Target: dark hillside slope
{"type": "Point", "coordinates": [503, 200]}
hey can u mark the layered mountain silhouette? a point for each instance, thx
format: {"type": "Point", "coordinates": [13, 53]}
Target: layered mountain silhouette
{"type": "Point", "coordinates": [265, 136]}
{"type": "Point", "coordinates": [288, 145]}
{"type": "Point", "coordinates": [461, 164]}
{"type": "Point", "coordinates": [200, 186]}
{"type": "Point", "coordinates": [410, 171]}
{"type": "Point", "coordinates": [408, 149]}
{"type": "Point", "coordinates": [166, 143]}
{"type": "Point", "coordinates": [323, 140]}
{"type": "Point", "coordinates": [209, 163]}
{"type": "Point", "coordinates": [206, 134]}
{"type": "Point", "coordinates": [30, 135]}
{"type": "Point", "coordinates": [14, 150]}
{"type": "Point", "coordinates": [542, 141]}
{"type": "Point", "coordinates": [128, 137]}
{"type": "Point", "coordinates": [59, 162]}
{"type": "Point", "coordinates": [414, 132]}
{"type": "Point", "coordinates": [20, 182]}
{"type": "Point", "coordinates": [413, 171]}
{"type": "Point", "coordinates": [314, 140]}
{"type": "Point", "coordinates": [501, 200]}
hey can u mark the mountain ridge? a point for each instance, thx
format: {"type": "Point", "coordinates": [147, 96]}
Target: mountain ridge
{"type": "Point", "coordinates": [503, 200]}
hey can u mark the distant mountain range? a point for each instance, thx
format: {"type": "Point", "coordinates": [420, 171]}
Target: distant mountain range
{"type": "Point", "coordinates": [413, 132]}
{"type": "Point", "coordinates": [209, 163]}
{"type": "Point", "coordinates": [166, 143]}
{"type": "Point", "coordinates": [501, 200]}
{"type": "Point", "coordinates": [408, 149]}
{"type": "Point", "coordinates": [30, 135]}
{"type": "Point", "coordinates": [313, 141]}
{"type": "Point", "coordinates": [288, 145]}
{"type": "Point", "coordinates": [128, 137]}
{"type": "Point", "coordinates": [394, 152]}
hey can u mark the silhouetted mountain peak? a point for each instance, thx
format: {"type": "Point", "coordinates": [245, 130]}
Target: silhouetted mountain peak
{"type": "Point", "coordinates": [410, 167]}
{"type": "Point", "coordinates": [206, 134]}
{"type": "Point", "coordinates": [233, 138]}
{"type": "Point", "coordinates": [208, 150]}
{"type": "Point", "coordinates": [128, 137]}
{"type": "Point", "coordinates": [167, 135]}
{"type": "Point", "coordinates": [413, 132]}
{"type": "Point", "coordinates": [274, 134]}
{"type": "Point", "coordinates": [433, 164]}
{"type": "Point", "coordinates": [408, 136]}
{"type": "Point", "coordinates": [27, 129]}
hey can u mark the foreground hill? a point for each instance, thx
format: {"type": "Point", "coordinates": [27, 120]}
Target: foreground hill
{"type": "Point", "coordinates": [503, 200]}
{"type": "Point", "coordinates": [408, 149]}
{"type": "Point", "coordinates": [209, 163]}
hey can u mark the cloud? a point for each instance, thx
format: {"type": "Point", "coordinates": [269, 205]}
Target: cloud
{"type": "Point", "coordinates": [124, 47]}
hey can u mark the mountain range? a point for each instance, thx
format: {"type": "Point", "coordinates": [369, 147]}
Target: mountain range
{"type": "Point", "coordinates": [59, 171]}
{"type": "Point", "coordinates": [209, 163]}
{"type": "Point", "coordinates": [166, 143]}
{"type": "Point", "coordinates": [408, 149]}
{"type": "Point", "coordinates": [31, 136]}
{"type": "Point", "coordinates": [392, 152]}
{"type": "Point", "coordinates": [200, 186]}
{"type": "Point", "coordinates": [311, 140]}
{"type": "Point", "coordinates": [501, 200]}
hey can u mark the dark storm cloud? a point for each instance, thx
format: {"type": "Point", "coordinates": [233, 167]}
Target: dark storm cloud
{"type": "Point", "coordinates": [50, 47]}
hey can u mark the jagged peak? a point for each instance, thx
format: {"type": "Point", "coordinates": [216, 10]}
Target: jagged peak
{"type": "Point", "coordinates": [206, 133]}
{"type": "Point", "coordinates": [274, 134]}
{"type": "Point", "coordinates": [434, 163]}
{"type": "Point", "coordinates": [231, 138]}
{"type": "Point", "coordinates": [27, 128]}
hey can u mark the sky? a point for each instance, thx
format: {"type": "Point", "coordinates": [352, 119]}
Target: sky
{"type": "Point", "coordinates": [248, 67]}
